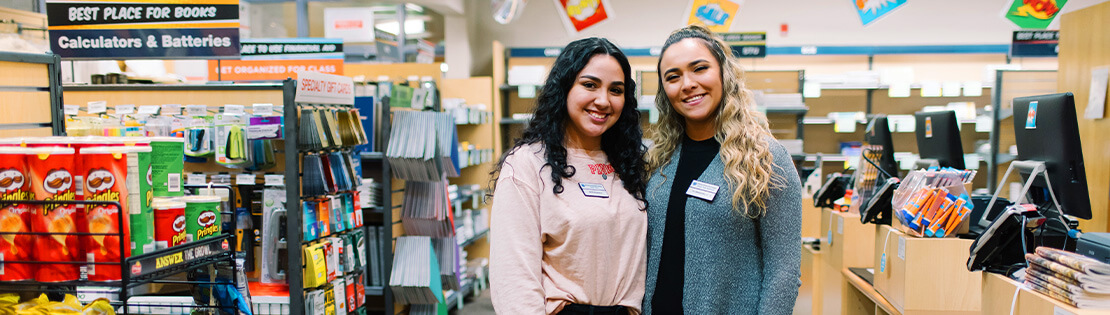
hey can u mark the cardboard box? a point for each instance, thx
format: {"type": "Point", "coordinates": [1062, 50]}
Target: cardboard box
{"type": "Point", "coordinates": [852, 241]}
{"type": "Point", "coordinates": [809, 295]}
{"type": "Point", "coordinates": [811, 219]}
{"type": "Point", "coordinates": [926, 275]}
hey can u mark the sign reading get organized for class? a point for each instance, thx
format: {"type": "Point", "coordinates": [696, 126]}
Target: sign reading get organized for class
{"type": "Point", "coordinates": [164, 29]}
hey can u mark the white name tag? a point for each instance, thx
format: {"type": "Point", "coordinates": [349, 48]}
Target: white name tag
{"type": "Point", "coordinates": [702, 190]}
{"type": "Point", "coordinates": [593, 190]}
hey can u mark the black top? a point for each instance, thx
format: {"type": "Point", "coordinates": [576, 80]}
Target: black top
{"type": "Point", "coordinates": [692, 161]}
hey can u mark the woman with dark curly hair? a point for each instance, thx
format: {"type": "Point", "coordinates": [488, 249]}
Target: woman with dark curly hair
{"type": "Point", "coordinates": [568, 230]}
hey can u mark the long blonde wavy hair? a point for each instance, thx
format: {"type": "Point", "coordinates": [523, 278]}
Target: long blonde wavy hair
{"type": "Point", "coordinates": [740, 129]}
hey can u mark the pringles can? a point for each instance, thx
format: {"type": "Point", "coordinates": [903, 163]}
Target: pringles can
{"type": "Point", "coordinates": [169, 222]}
{"type": "Point", "coordinates": [109, 174]}
{"type": "Point", "coordinates": [52, 179]}
{"type": "Point", "coordinates": [202, 217]}
{"type": "Point", "coordinates": [15, 218]}
{"type": "Point", "coordinates": [167, 159]}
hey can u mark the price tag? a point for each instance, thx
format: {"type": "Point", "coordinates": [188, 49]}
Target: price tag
{"type": "Point", "coordinates": [901, 248]}
{"type": "Point", "coordinates": [263, 109]}
{"type": "Point", "coordinates": [171, 109]}
{"type": "Point", "coordinates": [71, 110]}
{"type": "Point", "coordinates": [149, 109]}
{"type": "Point", "coordinates": [245, 179]}
{"type": "Point", "coordinates": [125, 109]}
{"type": "Point", "coordinates": [233, 109]}
{"type": "Point", "coordinates": [98, 107]}
{"type": "Point", "coordinates": [196, 110]}
{"type": "Point", "coordinates": [274, 179]}
{"type": "Point", "coordinates": [196, 179]}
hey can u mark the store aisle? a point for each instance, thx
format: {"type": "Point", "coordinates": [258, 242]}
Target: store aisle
{"type": "Point", "coordinates": [480, 305]}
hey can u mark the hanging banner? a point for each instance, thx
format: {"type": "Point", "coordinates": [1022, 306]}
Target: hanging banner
{"type": "Point", "coordinates": [578, 15]}
{"type": "Point", "coordinates": [1033, 14]}
{"type": "Point", "coordinates": [1035, 44]}
{"type": "Point", "coordinates": [871, 10]}
{"type": "Point", "coordinates": [135, 29]}
{"type": "Point", "coordinates": [280, 58]}
{"type": "Point", "coordinates": [747, 45]}
{"type": "Point", "coordinates": [717, 15]}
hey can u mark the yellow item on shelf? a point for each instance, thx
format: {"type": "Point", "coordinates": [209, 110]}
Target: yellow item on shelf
{"type": "Point", "coordinates": [99, 306]}
{"type": "Point", "coordinates": [315, 267]}
{"type": "Point", "coordinates": [9, 298]}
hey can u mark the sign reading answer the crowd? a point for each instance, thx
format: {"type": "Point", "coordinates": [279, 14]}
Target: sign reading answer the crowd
{"type": "Point", "coordinates": [280, 58]}
{"type": "Point", "coordinates": [165, 29]}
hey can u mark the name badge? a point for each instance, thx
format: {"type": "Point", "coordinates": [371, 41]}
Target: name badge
{"type": "Point", "coordinates": [702, 190]}
{"type": "Point", "coordinates": [593, 190]}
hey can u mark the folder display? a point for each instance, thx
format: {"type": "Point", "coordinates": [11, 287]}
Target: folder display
{"type": "Point", "coordinates": [415, 278]}
{"type": "Point", "coordinates": [423, 146]}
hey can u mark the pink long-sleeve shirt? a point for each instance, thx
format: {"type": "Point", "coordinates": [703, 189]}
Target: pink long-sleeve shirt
{"type": "Point", "coordinates": [548, 250]}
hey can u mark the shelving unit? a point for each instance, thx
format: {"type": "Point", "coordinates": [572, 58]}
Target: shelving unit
{"type": "Point", "coordinates": [35, 80]}
{"type": "Point", "coordinates": [871, 100]}
{"type": "Point", "coordinates": [149, 268]}
{"type": "Point", "coordinates": [475, 91]}
{"type": "Point", "coordinates": [283, 96]}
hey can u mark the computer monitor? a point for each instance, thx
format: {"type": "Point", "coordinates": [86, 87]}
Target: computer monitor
{"type": "Point", "coordinates": [1046, 130]}
{"type": "Point", "coordinates": [938, 138]}
{"type": "Point", "coordinates": [878, 141]}
{"type": "Point", "coordinates": [878, 148]}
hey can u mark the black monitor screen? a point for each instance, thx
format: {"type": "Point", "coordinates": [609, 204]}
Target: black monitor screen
{"type": "Point", "coordinates": [1046, 130]}
{"type": "Point", "coordinates": [879, 149]}
{"type": "Point", "coordinates": [938, 138]}
{"type": "Point", "coordinates": [878, 141]}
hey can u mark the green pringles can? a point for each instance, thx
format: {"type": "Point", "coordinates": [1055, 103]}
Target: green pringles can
{"type": "Point", "coordinates": [167, 160]}
{"type": "Point", "coordinates": [142, 216]}
{"type": "Point", "coordinates": [202, 217]}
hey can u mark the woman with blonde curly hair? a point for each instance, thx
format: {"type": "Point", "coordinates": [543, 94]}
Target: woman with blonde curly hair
{"type": "Point", "coordinates": [724, 200]}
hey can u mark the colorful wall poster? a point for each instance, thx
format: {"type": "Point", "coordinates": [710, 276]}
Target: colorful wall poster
{"type": "Point", "coordinates": [578, 15]}
{"type": "Point", "coordinates": [717, 15]}
{"type": "Point", "coordinates": [1033, 14]}
{"type": "Point", "coordinates": [133, 29]}
{"type": "Point", "coordinates": [871, 10]}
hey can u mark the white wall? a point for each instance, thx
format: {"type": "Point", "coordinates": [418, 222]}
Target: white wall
{"type": "Point", "coordinates": [643, 23]}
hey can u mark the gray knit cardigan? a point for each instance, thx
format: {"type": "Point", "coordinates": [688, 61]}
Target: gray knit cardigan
{"type": "Point", "coordinates": [734, 264]}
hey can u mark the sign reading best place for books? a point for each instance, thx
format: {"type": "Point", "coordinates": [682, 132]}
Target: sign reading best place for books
{"type": "Point", "coordinates": [166, 29]}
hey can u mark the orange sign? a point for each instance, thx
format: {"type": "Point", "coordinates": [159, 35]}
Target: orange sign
{"type": "Point", "coordinates": [256, 70]}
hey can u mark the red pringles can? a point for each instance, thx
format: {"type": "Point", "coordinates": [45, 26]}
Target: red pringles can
{"type": "Point", "coordinates": [109, 174]}
{"type": "Point", "coordinates": [15, 218]}
{"type": "Point", "coordinates": [52, 179]}
{"type": "Point", "coordinates": [169, 222]}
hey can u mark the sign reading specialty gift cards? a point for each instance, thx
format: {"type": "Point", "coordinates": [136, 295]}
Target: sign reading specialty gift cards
{"type": "Point", "coordinates": [165, 29]}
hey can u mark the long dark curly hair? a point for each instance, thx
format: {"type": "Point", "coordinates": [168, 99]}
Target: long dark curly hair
{"type": "Point", "coordinates": [622, 143]}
